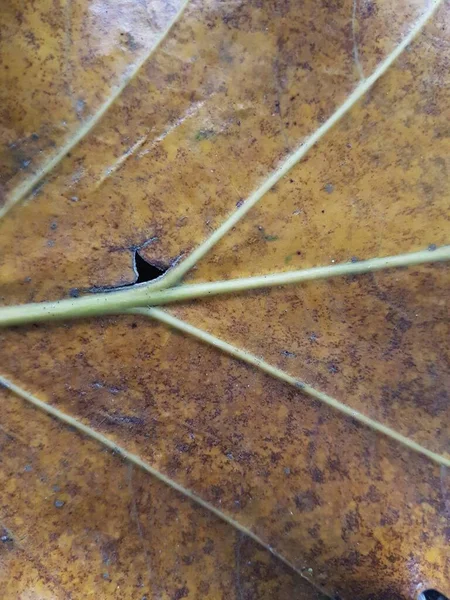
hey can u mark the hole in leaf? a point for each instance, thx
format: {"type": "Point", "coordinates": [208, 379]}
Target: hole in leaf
{"type": "Point", "coordinates": [145, 270]}
{"type": "Point", "coordinates": [432, 595]}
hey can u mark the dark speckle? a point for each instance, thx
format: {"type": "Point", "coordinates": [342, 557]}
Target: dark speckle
{"type": "Point", "coordinates": [390, 517]}
{"type": "Point", "coordinates": [74, 293]}
{"type": "Point", "coordinates": [403, 324]}
{"type": "Point", "coordinates": [368, 9]}
{"type": "Point", "coordinates": [288, 354]}
{"type": "Point", "coordinates": [183, 447]}
{"type": "Point", "coordinates": [354, 259]}
{"type": "Point", "coordinates": [120, 419]}
{"type": "Point", "coordinates": [188, 559]}
{"type": "Point", "coordinates": [131, 42]}
{"type": "Point", "coordinates": [373, 495]}
{"type": "Point", "coordinates": [204, 134]}
{"type": "Point", "coordinates": [317, 475]}
{"type": "Point", "coordinates": [6, 538]}
{"type": "Point", "coordinates": [307, 501]}
{"type": "Point", "coordinates": [332, 368]}
{"type": "Point", "coordinates": [80, 107]}
{"type": "Point", "coordinates": [181, 593]}
{"type": "Point", "coordinates": [53, 225]}
{"type": "Point", "coordinates": [432, 247]}
{"type": "Point", "coordinates": [351, 524]}
{"type": "Point", "coordinates": [239, 203]}
{"type": "Point", "coordinates": [267, 236]}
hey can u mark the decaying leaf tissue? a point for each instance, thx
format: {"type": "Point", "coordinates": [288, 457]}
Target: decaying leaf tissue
{"type": "Point", "coordinates": [224, 306]}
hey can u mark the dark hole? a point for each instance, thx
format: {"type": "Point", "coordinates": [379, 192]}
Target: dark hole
{"type": "Point", "coordinates": [146, 271]}
{"type": "Point", "coordinates": [432, 595]}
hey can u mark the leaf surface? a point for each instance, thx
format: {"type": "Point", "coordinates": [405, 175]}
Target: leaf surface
{"type": "Point", "coordinates": [228, 95]}
{"type": "Point", "coordinates": [67, 530]}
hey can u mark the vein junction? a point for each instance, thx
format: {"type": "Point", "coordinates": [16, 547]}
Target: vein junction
{"type": "Point", "coordinates": [266, 367]}
{"type": "Point", "coordinates": [152, 294]}
{"type": "Point", "coordinates": [134, 299]}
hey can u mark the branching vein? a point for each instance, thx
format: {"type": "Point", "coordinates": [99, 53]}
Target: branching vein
{"type": "Point", "coordinates": [150, 295]}
{"type": "Point", "coordinates": [364, 86]}
{"type": "Point", "coordinates": [266, 367]}
{"type": "Point", "coordinates": [133, 300]}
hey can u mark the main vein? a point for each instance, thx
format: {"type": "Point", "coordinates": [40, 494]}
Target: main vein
{"type": "Point", "coordinates": [200, 290]}
{"type": "Point", "coordinates": [149, 295]}
{"type": "Point", "coordinates": [183, 267]}
{"type": "Point", "coordinates": [23, 189]}
{"type": "Point", "coordinates": [142, 464]}
{"type": "Point", "coordinates": [131, 305]}
{"type": "Point", "coordinates": [266, 367]}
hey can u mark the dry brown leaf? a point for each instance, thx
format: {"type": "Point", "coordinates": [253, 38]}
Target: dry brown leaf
{"type": "Point", "coordinates": [85, 524]}
{"type": "Point", "coordinates": [227, 96]}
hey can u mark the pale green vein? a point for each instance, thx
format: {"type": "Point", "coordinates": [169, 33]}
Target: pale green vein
{"type": "Point", "coordinates": [23, 189]}
{"type": "Point", "coordinates": [149, 295]}
{"type": "Point", "coordinates": [186, 265]}
{"type": "Point", "coordinates": [264, 366]}
{"type": "Point", "coordinates": [200, 290]}
{"type": "Point", "coordinates": [142, 464]}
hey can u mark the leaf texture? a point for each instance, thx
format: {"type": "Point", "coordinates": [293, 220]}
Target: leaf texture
{"type": "Point", "coordinates": [221, 100]}
{"type": "Point", "coordinates": [122, 536]}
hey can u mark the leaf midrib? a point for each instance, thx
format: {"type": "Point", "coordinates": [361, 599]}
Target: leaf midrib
{"type": "Point", "coordinates": [178, 272]}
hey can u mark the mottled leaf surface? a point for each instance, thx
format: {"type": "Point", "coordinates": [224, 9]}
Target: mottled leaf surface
{"type": "Point", "coordinates": [227, 91]}
{"type": "Point", "coordinates": [85, 524]}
